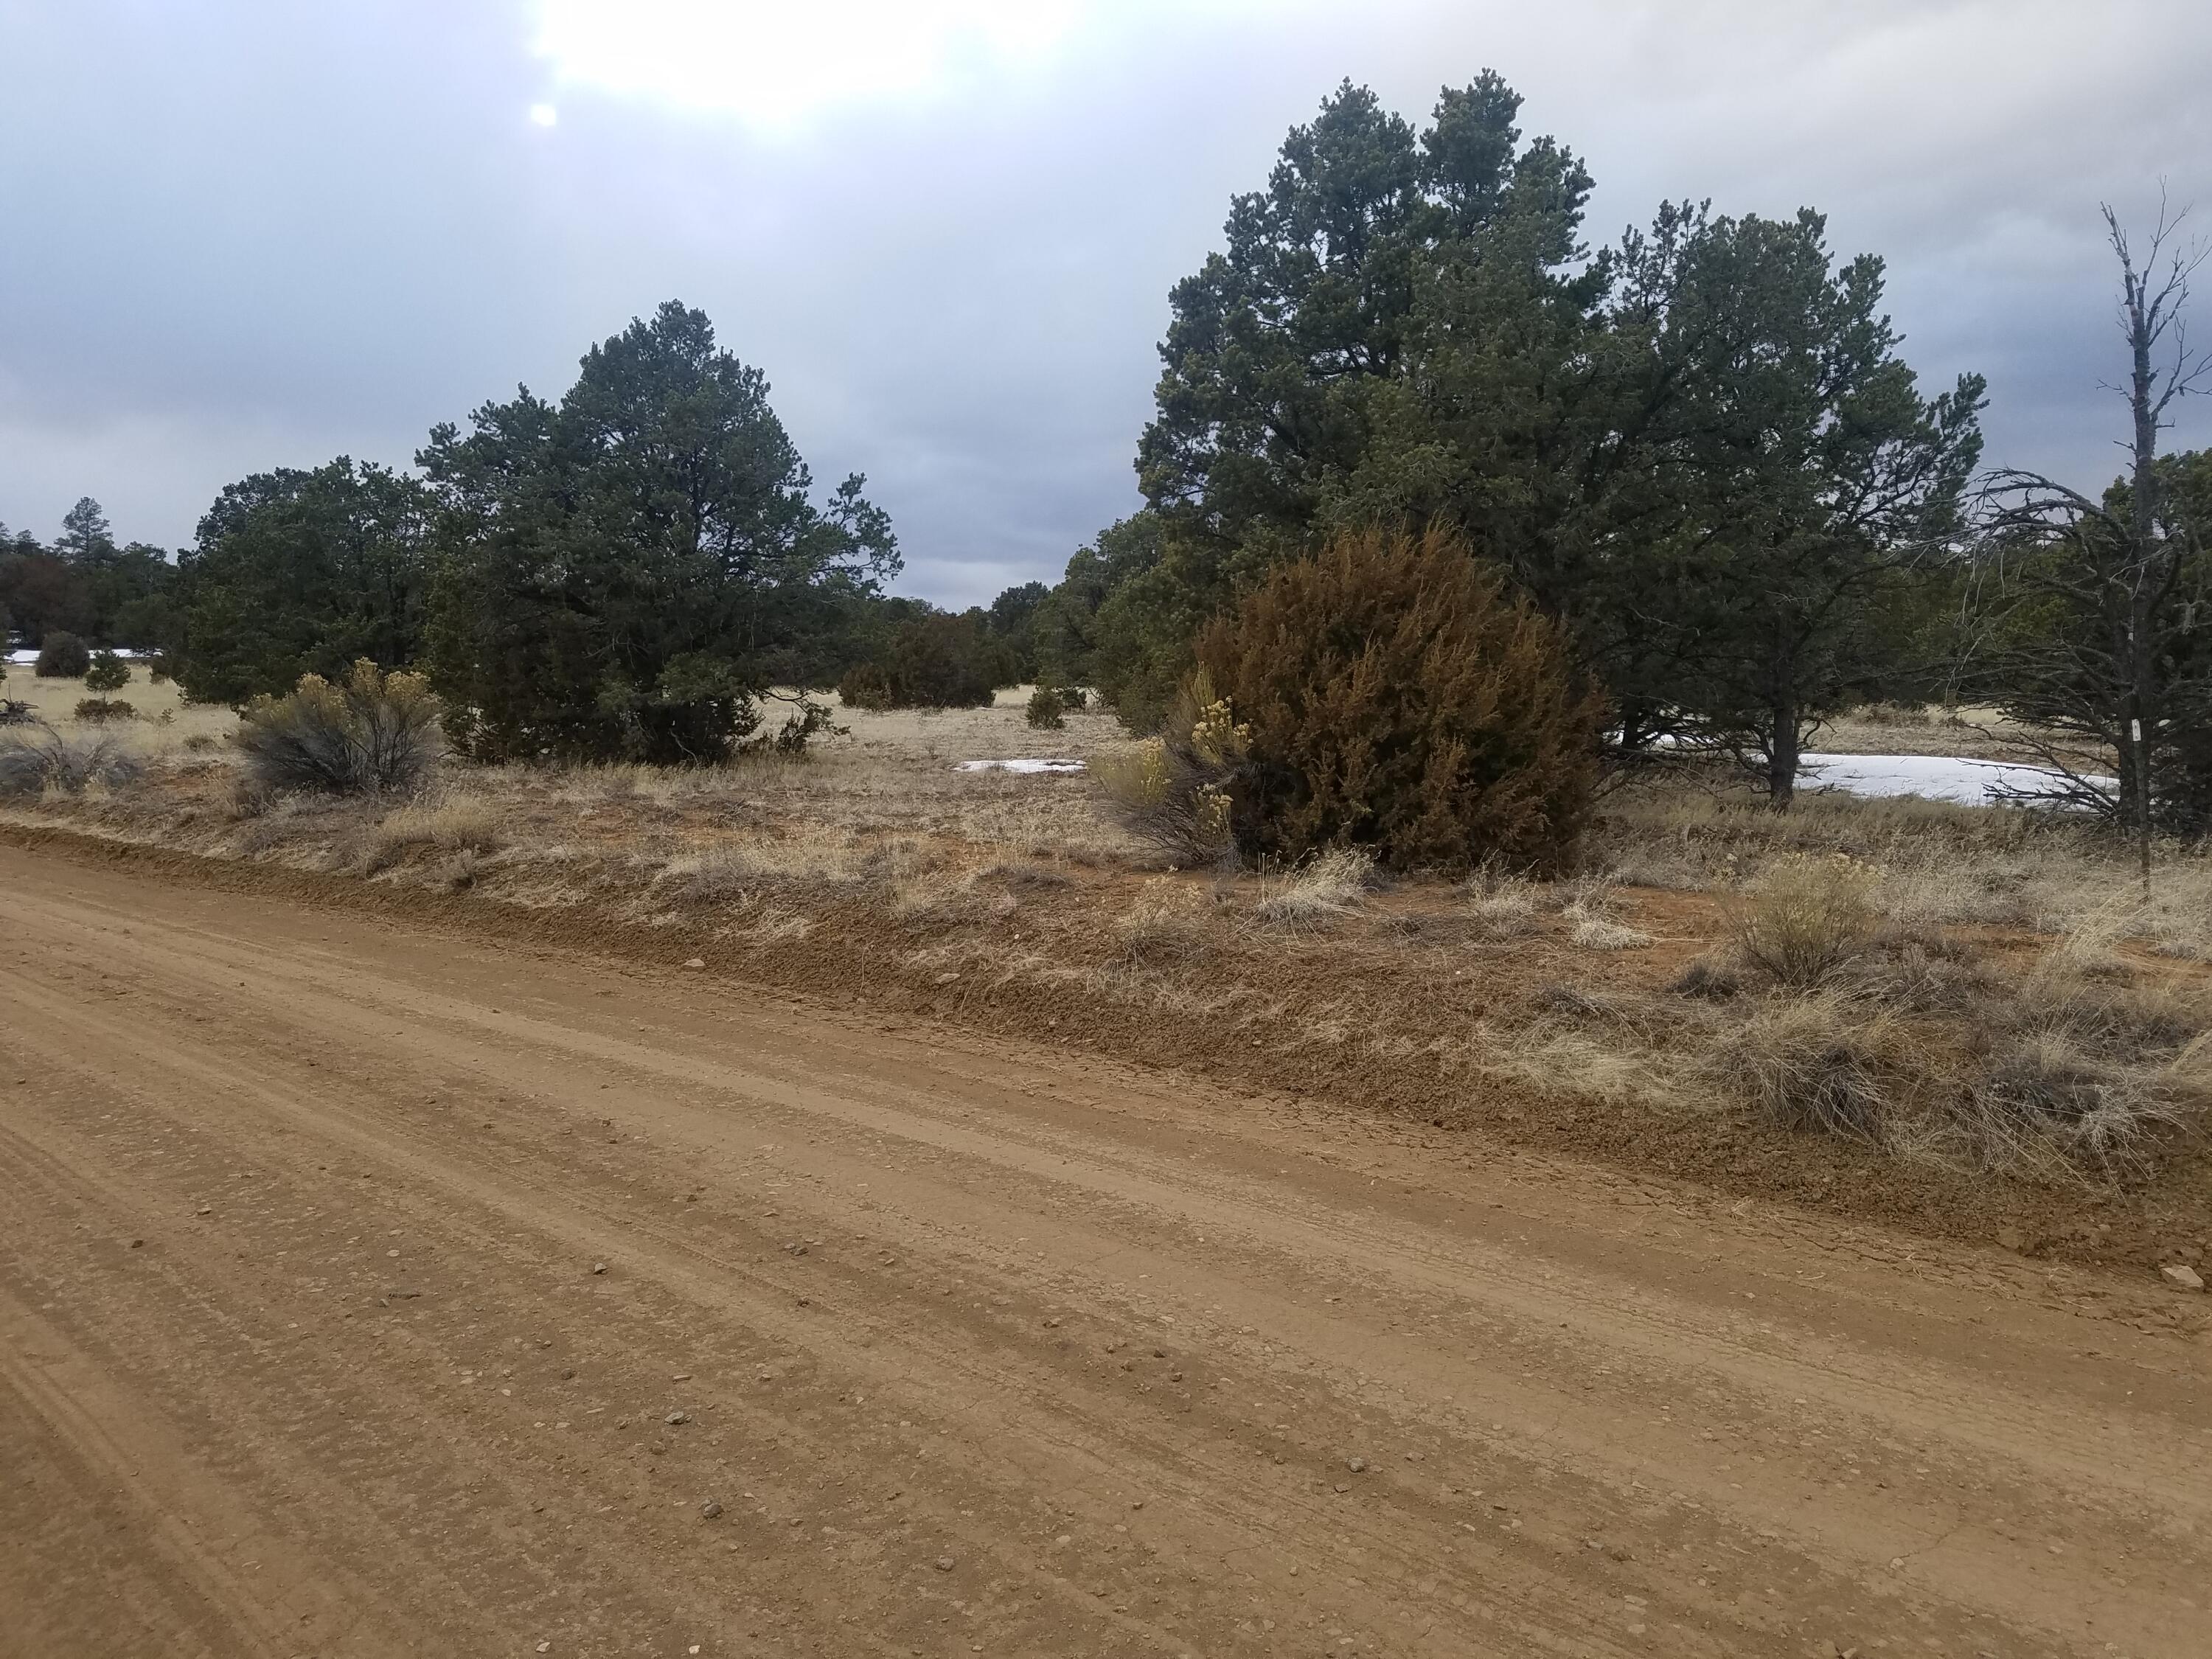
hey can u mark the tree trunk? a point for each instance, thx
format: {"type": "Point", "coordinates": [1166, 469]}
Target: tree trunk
{"type": "Point", "coordinates": [2140, 667]}
{"type": "Point", "coordinates": [1781, 758]}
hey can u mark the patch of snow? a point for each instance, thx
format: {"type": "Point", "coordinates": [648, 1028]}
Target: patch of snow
{"type": "Point", "coordinates": [1931, 777]}
{"type": "Point", "coordinates": [1044, 765]}
{"type": "Point", "coordinates": [25, 658]}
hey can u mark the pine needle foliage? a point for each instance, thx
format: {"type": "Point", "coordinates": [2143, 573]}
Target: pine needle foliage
{"type": "Point", "coordinates": [1399, 695]}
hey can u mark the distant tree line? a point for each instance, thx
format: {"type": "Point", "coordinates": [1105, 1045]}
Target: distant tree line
{"type": "Point", "coordinates": [643, 570]}
{"type": "Point", "coordinates": [1697, 451]}
{"type": "Point", "coordinates": [83, 585]}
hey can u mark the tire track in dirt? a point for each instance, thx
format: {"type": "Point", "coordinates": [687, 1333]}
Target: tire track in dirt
{"type": "Point", "coordinates": [1555, 1393]}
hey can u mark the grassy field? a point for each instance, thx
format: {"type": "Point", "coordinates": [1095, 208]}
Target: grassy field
{"type": "Point", "coordinates": [164, 719]}
{"type": "Point", "coordinates": [1969, 1017]}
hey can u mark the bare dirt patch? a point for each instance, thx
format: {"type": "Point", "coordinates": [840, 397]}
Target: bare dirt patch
{"type": "Point", "coordinates": [381, 1275]}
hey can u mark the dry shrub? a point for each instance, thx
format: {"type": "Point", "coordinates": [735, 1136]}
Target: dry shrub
{"type": "Point", "coordinates": [38, 758]}
{"type": "Point", "coordinates": [1313, 894]}
{"type": "Point", "coordinates": [375, 732]}
{"type": "Point", "coordinates": [1707, 979]}
{"type": "Point", "coordinates": [1822, 1062]}
{"type": "Point", "coordinates": [2048, 1106]}
{"type": "Point", "coordinates": [1399, 696]}
{"type": "Point", "coordinates": [1922, 973]}
{"type": "Point", "coordinates": [1175, 790]}
{"type": "Point", "coordinates": [1806, 918]}
{"type": "Point", "coordinates": [97, 711]}
{"type": "Point", "coordinates": [62, 656]}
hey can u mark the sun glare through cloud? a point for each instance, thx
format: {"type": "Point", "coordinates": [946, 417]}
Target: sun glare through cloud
{"type": "Point", "coordinates": [777, 66]}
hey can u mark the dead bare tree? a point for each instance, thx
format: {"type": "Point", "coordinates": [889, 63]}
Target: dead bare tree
{"type": "Point", "coordinates": [2097, 601]}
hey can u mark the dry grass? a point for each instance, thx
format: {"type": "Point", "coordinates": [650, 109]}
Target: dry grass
{"type": "Point", "coordinates": [1168, 922]}
{"type": "Point", "coordinates": [453, 822]}
{"type": "Point", "coordinates": [1818, 1061]}
{"type": "Point", "coordinates": [164, 716]}
{"type": "Point", "coordinates": [1316, 892]}
{"type": "Point", "coordinates": [39, 760]}
{"type": "Point", "coordinates": [1503, 905]}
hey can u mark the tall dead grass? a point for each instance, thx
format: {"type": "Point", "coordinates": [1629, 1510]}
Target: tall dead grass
{"type": "Point", "coordinates": [1316, 891]}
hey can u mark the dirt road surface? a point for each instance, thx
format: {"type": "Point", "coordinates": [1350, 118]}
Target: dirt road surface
{"type": "Point", "coordinates": [367, 1290]}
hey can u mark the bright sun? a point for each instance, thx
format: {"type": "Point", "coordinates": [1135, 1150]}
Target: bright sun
{"type": "Point", "coordinates": [778, 64]}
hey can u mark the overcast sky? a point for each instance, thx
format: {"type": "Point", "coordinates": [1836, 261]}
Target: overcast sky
{"type": "Point", "coordinates": [236, 234]}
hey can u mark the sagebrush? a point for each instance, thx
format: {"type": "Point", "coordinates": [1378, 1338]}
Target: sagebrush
{"type": "Point", "coordinates": [36, 759]}
{"type": "Point", "coordinates": [372, 732]}
{"type": "Point", "coordinates": [1176, 790]}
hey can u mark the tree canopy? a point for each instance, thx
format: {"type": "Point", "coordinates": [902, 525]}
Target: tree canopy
{"type": "Point", "coordinates": [630, 571]}
{"type": "Point", "coordinates": [305, 573]}
{"type": "Point", "coordinates": [1698, 447]}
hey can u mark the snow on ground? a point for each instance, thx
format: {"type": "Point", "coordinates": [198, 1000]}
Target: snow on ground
{"type": "Point", "coordinates": [27, 658]}
{"type": "Point", "coordinates": [1021, 764]}
{"type": "Point", "coordinates": [1932, 777]}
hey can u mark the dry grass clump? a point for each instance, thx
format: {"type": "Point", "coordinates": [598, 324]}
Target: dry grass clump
{"type": "Point", "coordinates": [1503, 905]}
{"type": "Point", "coordinates": [2050, 1108]}
{"type": "Point", "coordinates": [1820, 1061]}
{"type": "Point", "coordinates": [722, 871]}
{"type": "Point", "coordinates": [1311, 895]}
{"type": "Point", "coordinates": [2077, 1070]}
{"type": "Point", "coordinates": [37, 759]}
{"type": "Point", "coordinates": [1592, 933]}
{"type": "Point", "coordinates": [1806, 918]}
{"type": "Point", "coordinates": [1168, 921]}
{"type": "Point", "coordinates": [453, 823]}
{"type": "Point", "coordinates": [1709, 978]}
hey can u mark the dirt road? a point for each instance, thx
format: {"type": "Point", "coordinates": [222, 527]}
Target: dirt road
{"type": "Point", "coordinates": [367, 1291]}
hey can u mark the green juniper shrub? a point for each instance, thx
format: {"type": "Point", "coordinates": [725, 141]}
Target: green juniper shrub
{"type": "Point", "coordinates": [937, 660]}
{"type": "Point", "coordinates": [63, 657]}
{"type": "Point", "coordinates": [106, 672]}
{"type": "Point", "coordinates": [1044, 710]}
{"type": "Point", "coordinates": [1399, 695]}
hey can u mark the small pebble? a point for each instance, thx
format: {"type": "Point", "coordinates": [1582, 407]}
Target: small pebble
{"type": "Point", "coordinates": [1356, 1465]}
{"type": "Point", "coordinates": [710, 1509]}
{"type": "Point", "coordinates": [598, 1267]}
{"type": "Point", "coordinates": [674, 1418]}
{"type": "Point", "coordinates": [945, 1564]}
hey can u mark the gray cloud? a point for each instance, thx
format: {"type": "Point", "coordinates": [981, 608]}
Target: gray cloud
{"type": "Point", "coordinates": [245, 233]}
